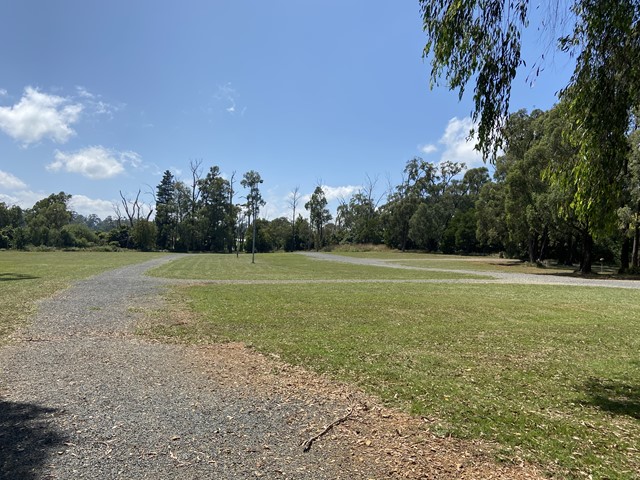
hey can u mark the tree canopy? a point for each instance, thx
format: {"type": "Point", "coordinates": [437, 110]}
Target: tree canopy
{"type": "Point", "coordinates": [480, 42]}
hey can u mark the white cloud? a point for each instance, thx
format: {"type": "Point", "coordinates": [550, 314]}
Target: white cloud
{"type": "Point", "coordinates": [11, 182]}
{"type": "Point", "coordinates": [96, 162]}
{"type": "Point", "coordinates": [457, 146]}
{"type": "Point", "coordinates": [79, 203]}
{"type": "Point", "coordinates": [278, 205]}
{"type": "Point", "coordinates": [39, 115]}
{"type": "Point", "coordinates": [336, 193]}
{"type": "Point", "coordinates": [427, 149]}
{"type": "Point", "coordinates": [22, 198]}
{"type": "Point", "coordinates": [3, 92]}
{"type": "Point", "coordinates": [86, 206]}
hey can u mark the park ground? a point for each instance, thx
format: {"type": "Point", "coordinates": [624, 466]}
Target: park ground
{"type": "Point", "coordinates": [499, 364]}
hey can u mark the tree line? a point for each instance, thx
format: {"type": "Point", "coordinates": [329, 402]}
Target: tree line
{"type": "Point", "coordinates": [527, 209]}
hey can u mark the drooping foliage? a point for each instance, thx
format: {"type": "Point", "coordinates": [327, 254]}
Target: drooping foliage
{"type": "Point", "coordinates": [478, 42]}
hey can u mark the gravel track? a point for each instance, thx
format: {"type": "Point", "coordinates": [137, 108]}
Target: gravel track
{"type": "Point", "coordinates": [498, 277]}
{"type": "Point", "coordinates": [82, 397]}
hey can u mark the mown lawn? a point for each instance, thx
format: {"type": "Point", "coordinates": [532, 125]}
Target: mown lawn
{"type": "Point", "coordinates": [551, 373]}
{"type": "Point", "coordinates": [26, 277]}
{"type": "Point", "coordinates": [286, 266]}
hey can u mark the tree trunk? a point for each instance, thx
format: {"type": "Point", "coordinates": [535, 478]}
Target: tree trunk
{"type": "Point", "coordinates": [636, 246]}
{"type": "Point", "coordinates": [624, 250]}
{"type": "Point", "coordinates": [543, 247]}
{"type": "Point", "coordinates": [532, 248]}
{"type": "Point", "coordinates": [403, 242]}
{"type": "Point", "coordinates": [587, 249]}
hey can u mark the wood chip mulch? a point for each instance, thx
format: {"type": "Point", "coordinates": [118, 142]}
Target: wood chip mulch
{"type": "Point", "coordinates": [398, 445]}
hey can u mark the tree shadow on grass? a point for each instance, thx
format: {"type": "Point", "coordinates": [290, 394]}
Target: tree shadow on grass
{"type": "Point", "coordinates": [618, 398]}
{"type": "Point", "coordinates": [26, 440]}
{"type": "Point", "coordinates": [4, 277]}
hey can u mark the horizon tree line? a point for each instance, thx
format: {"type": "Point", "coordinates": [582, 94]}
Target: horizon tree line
{"type": "Point", "coordinates": [525, 211]}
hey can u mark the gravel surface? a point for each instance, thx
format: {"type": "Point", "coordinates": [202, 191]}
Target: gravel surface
{"type": "Point", "coordinates": [82, 397]}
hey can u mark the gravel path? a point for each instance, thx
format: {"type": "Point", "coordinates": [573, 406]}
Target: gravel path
{"type": "Point", "coordinates": [82, 397]}
{"type": "Point", "coordinates": [498, 277]}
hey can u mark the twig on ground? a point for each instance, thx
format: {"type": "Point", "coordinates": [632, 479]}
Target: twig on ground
{"type": "Point", "coordinates": [307, 444]}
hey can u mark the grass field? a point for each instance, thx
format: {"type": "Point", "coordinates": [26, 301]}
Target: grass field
{"type": "Point", "coordinates": [282, 266]}
{"type": "Point", "coordinates": [26, 277]}
{"type": "Point", "coordinates": [551, 373]}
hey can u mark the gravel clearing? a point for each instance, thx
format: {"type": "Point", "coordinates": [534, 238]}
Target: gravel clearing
{"type": "Point", "coordinates": [82, 397]}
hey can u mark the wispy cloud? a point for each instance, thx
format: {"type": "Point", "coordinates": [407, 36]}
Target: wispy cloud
{"type": "Point", "coordinates": [96, 163]}
{"type": "Point", "coordinates": [10, 182]}
{"type": "Point", "coordinates": [428, 148]}
{"type": "Point", "coordinates": [3, 92]}
{"type": "Point", "coordinates": [94, 104]}
{"type": "Point", "coordinates": [40, 115]}
{"type": "Point", "coordinates": [228, 95]}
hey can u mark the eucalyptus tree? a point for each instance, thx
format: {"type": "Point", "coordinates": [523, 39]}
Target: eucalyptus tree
{"type": "Point", "coordinates": [12, 226]}
{"type": "Point", "coordinates": [358, 220]}
{"type": "Point", "coordinates": [252, 181]}
{"type": "Point", "coordinates": [402, 203]}
{"type": "Point", "coordinates": [479, 42]}
{"type": "Point", "coordinates": [319, 215]}
{"type": "Point", "coordinates": [47, 217]}
{"type": "Point", "coordinates": [524, 161]}
{"type": "Point", "coordinates": [460, 232]}
{"type": "Point", "coordinates": [184, 227]}
{"type": "Point", "coordinates": [629, 213]}
{"type": "Point", "coordinates": [438, 195]}
{"type": "Point", "coordinates": [491, 225]}
{"type": "Point", "coordinates": [294, 200]}
{"type": "Point", "coordinates": [396, 215]}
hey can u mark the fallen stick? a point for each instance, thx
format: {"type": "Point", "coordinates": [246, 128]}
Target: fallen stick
{"type": "Point", "coordinates": [307, 444]}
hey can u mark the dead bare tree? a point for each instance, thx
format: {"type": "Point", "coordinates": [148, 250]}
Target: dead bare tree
{"type": "Point", "coordinates": [232, 221]}
{"type": "Point", "coordinates": [118, 212]}
{"type": "Point", "coordinates": [294, 199]}
{"type": "Point", "coordinates": [368, 190]}
{"type": "Point", "coordinates": [134, 209]}
{"type": "Point", "coordinates": [195, 166]}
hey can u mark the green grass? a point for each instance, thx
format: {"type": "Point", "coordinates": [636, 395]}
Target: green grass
{"type": "Point", "coordinates": [284, 266]}
{"type": "Point", "coordinates": [550, 373]}
{"type": "Point", "coordinates": [26, 277]}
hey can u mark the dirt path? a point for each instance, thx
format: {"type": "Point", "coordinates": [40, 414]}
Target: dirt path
{"type": "Point", "coordinates": [82, 397]}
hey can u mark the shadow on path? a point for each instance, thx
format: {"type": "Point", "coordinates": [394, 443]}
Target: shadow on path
{"type": "Point", "coordinates": [26, 440]}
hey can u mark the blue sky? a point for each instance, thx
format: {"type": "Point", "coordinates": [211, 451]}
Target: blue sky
{"type": "Point", "coordinates": [102, 97]}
